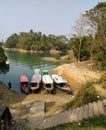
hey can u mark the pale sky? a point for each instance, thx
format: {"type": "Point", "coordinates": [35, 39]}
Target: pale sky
{"type": "Point", "coordinates": [47, 16]}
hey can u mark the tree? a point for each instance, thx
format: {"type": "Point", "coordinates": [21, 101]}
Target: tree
{"type": "Point", "coordinates": [80, 31]}
{"type": "Point", "coordinates": [12, 41]}
{"type": "Point", "coordinates": [97, 17]}
{"type": "Point", "coordinates": [85, 47]}
{"type": "Point", "coordinates": [97, 20]}
{"type": "Point", "coordinates": [3, 58]}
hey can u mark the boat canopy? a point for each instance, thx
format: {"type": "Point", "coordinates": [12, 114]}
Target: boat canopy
{"type": "Point", "coordinates": [58, 78]}
{"type": "Point", "coordinates": [23, 78]}
{"type": "Point", "coordinates": [37, 71]}
{"type": "Point", "coordinates": [45, 72]}
{"type": "Point", "coordinates": [36, 78]}
{"type": "Point", "coordinates": [47, 79]}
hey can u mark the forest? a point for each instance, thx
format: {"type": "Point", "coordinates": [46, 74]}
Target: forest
{"type": "Point", "coordinates": [88, 40]}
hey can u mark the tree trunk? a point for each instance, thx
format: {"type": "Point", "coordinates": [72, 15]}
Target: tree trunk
{"type": "Point", "coordinates": [79, 50]}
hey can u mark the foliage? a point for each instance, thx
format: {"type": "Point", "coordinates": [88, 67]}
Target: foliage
{"type": "Point", "coordinates": [103, 80]}
{"type": "Point", "coordinates": [90, 42]}
{"type": "Point", "coordinates": [97, 17]}
{"type": "Point", "coordinates": [85, 47]}
{"type": "Point", "coordinates": [12, 41]}
{"type": "Point", "coordinates": [36, 41]}
{"type": "Point", "coordinates": [86, 94]}
{"type": "Point", "coordinates": [103, 77]}
{"type": "Point", "coordinates": [3, 58]}
{"type": "Point", "coordinates": [57, 56]}
{"type": "Point", "coordinates": [96, 121]}
{"type": "Point", "coordinates": [99, 57]}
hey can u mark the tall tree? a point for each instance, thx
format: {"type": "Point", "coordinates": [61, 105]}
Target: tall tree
{"type": "Point", "coordinates": [80, 31]}
{"type": "Point", "coordinates": [97, 17]}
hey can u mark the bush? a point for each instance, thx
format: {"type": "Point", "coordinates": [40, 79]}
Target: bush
{"type": "Point", "coordinates": [95, 122]}
{"type": "Point", "coordinates": [57, 56]}
{"type": "Point", "coordinates": [86, 94]}
{"type": "Point", "coordinates": [3, 58]}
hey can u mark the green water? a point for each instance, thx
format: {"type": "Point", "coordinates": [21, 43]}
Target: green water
{"type": "Point", "coordinates": [24, 63]}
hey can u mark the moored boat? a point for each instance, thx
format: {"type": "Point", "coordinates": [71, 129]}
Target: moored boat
{"type": "Point", "coordinates": [35, 81]}
{"type": "Point", "coordinates": [47, 81]}
{"type": "Point", "coordinates": [61, 83]}
{"type": "Point", "coordinates": [24, 84]}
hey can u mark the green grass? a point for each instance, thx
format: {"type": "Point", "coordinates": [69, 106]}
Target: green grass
{"type": "Point", "coordinates": [96, 123]}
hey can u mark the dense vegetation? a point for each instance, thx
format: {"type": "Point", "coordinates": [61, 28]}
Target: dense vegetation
{"type": "Point", "coordinates": [36, 41]}
{"type": "Point", "coordinates": [88, 40]}
{"type": "Point", "coordinates": [3, 58]}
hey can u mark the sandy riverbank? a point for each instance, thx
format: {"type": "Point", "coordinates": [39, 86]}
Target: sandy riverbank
{"type": "Point", "coordinates": [77, 74]}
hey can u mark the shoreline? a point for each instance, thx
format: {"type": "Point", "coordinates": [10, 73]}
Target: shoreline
{"type": "Point", "coordinates": [30, 51]}
{"type": "Point", "coordinates": [66, 58]}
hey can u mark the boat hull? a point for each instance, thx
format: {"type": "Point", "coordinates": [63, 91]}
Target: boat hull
{"type": "Point", "coordinates": [24, 84]}
{"type": "Point", "coordinates": [35, 84]}
{"type": "Point", "coordinates": [47, 81]}
{"type": "Point", "coordinates": [66, 89]}
{"type": "Point", "coordinates": [61, 83]}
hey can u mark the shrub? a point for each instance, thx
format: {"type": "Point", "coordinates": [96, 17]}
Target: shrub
{"type": "Point", "coordinates": [57, 56]}
{"type": "Point", "coordinates": [86, 94]}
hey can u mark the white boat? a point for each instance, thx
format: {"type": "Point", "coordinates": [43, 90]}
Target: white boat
{"type": "Point", "coordinates": [37, 71]}
{"type": "Point", "coordinates": [61, 83]}
{"type": "Point", "coordinates": [47, 81]}
{"type": "Point", "coordinates": [35, 80]}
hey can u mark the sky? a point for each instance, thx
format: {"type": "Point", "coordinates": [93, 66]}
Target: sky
{"type": "Point", "coordinates": [47, 16]}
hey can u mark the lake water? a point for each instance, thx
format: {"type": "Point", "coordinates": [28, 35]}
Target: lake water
{"type": "Point", "coordinates": [24, 63]}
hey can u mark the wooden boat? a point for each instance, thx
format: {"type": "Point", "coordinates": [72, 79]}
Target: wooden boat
{"type": "Point", "coordinates": [35, 81]}
{"type": "Point", "coordinates": [47, 81]}
{"type": "Point", "coordinates": [24, 84]}
{"type": "Point", "coordinates": [61, 83]}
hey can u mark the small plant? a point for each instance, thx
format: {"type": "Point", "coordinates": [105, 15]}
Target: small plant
{"type": "Point", "coordinates": [57, 56]}
{"type": "Point", "coordinates": [95, 122]}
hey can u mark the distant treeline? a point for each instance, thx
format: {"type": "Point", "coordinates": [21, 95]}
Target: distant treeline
{"type": "Point", "coordinates": [37, 41]}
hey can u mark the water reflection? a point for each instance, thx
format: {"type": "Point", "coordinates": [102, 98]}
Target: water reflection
{"type": "Point", "coordinates": [4, 69]}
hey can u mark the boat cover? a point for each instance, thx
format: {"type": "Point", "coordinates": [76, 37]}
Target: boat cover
{"type": "Point", "coordinates": [58, 78]}
{"type": "Point", "coordinates": [36, 78]}
{"type": "Point", "coordinates": [23, 78]}
{"type": "Point", "coordinates": [37, 71]}
{"type": "Point", "coordinates": [47, 79]}
{"type": "Point", "coordinates": [45, 72]}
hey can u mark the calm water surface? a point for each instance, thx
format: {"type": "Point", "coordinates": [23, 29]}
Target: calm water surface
{"type": "Point", "coordinates": [24, 63]}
